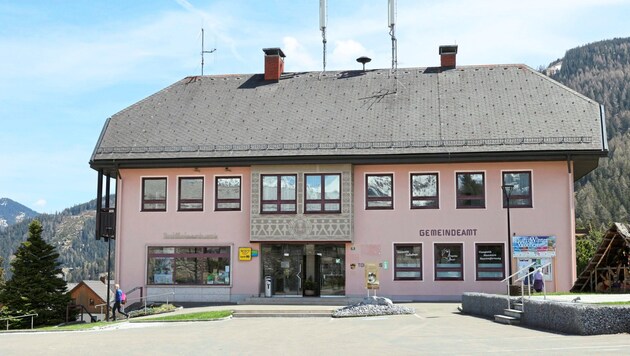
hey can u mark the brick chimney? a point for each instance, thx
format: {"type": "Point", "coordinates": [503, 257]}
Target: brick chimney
{"type": "Point", "coordinates": [448, 56]}
{"type": "Point", "coordinates": [274, 63]}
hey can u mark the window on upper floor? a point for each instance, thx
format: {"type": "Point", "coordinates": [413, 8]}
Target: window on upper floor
{"type": "Point", "coordinates": [407, 262]}
{"type": "Point", "coordinates": [153, 194]}
{"type": "Point", "coordinates": [379, 191]}
{"type": "Point", "coordinates": [471, 192]}
{"type": "Point", "coordinates": [521, 191]}
{"type": "Point", "coordinates": [228, 193]}
{"type": "Point", "coordinates": [322, 193]}
{"type": "Point", "coordinates": [190, 194]}
{"type": "Point", "coordinates": [278, 193]}
{"type": "Point", "coordinates": [424, 191]}
{"type": "Point", "coordinates": [449, 264]}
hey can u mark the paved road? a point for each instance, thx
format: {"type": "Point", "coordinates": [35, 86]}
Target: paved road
{"type": "Point", "coordinates": [436, 329]}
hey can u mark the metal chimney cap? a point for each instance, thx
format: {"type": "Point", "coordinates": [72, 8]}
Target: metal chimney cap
{"type": "Point", "coordinates": [364, 59]}
{"type": "Point", "coordinates": [274, 52]}
{"type": "Point", "coordinates": [451, 49]}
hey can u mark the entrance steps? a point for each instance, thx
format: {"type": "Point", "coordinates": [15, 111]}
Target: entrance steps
{"type": "Point", "coordinates": [510, 316]}
{"type": "Point", "coordinates": [331, 301]}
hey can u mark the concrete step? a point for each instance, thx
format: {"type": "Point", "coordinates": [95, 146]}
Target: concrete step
{"type": "Point", "coordinates": [282, 313]}
{"type": "Point", "coordinates": [515, 313]}
{"type": "Point", "coordinates": [504, 319]}
{"type": "Point", "coordinates": [332, 301]}
{"type": "Point", "coordinates": [517, 306]}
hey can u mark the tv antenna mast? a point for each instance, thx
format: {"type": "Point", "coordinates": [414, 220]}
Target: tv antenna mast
{"type": "Point", "coordinates": [392, 32]}
{"type": "Point", "coordinates": [322, 27]}
{"type": "Point", "coordinates": [203, 51]}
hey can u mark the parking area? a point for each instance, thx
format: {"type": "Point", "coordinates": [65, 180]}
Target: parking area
{"type": "Point", "coordinates": [435, 328]}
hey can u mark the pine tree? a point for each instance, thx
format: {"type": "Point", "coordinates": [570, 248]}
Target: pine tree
{"type": "Point", "coordinates": [36, 285]}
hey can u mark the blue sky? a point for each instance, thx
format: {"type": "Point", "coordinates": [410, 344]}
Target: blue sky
{"type": "Point", "coordinates": [66, 66]}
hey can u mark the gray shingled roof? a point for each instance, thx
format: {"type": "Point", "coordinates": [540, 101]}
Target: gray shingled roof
{"type": "Point", "coordinates": [469, 110]}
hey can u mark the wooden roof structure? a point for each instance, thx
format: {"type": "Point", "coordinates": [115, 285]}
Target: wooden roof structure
{"type": "Point", "coordinates": [608, 270]}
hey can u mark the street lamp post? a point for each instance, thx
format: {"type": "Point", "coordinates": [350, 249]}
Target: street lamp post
{"type": "Point", "coordinates": [507, 192]}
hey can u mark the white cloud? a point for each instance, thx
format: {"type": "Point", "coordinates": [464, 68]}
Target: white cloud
{"type": "Point", "coordinates": [40, 204]}
{"type": "Point", "coordinates": [299, 56]}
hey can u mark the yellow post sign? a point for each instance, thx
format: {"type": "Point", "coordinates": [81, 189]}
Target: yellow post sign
{"type": "Point", "coordinates": [371, 276]}
{"type": "Point", "coordinates": [245, 253]}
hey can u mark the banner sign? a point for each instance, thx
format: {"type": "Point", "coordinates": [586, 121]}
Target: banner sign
{"type": "Point", "coordinates": [534, 246]}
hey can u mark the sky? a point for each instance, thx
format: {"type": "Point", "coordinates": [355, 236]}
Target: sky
{"type": "Point", "coordinates": [66, 66]}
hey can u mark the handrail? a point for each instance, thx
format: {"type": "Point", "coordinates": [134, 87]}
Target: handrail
{"type": "Point", "coordinates": [529, 286]}
{"type": "Point", "coordinates": [141, 298]}
{"type": "Point", "coordinates": [508, 278]}
{"type": "Point", "coordinates": [20, 317]}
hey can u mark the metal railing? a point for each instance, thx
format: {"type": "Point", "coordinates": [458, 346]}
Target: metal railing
{"type": "Point", "coordinates": [529, 285]}
{"type": "Point", "coordinates": [142, 299]}
{"type": "Point", "coordinates": [19, 317]}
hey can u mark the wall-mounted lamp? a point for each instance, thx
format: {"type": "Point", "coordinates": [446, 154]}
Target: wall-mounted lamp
{"type": "Point", "coordinates": [196, 169]}
{"type": "Point", "coordinates": [227, 169]}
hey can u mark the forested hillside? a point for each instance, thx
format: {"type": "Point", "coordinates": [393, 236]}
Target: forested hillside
{"type": "Point", "coordinates": [72, 233]}
{"type": "Point", "coordinates": [601, 71]}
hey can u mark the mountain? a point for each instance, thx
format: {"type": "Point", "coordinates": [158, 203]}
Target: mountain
{"type": "Point", "coordinates": [12, 212]}
{"type": "Point", "coordinates": [601, 71]}
{"type": "Point", "coordinates": [72, 233]}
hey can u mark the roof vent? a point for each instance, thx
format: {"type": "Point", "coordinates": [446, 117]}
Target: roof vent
{"type": "Point", "coordinates": [448, 56]}
{"type": "Point", "coordinates": [363, 60]}
{"type": "Point", "coordinates": [274, 63]}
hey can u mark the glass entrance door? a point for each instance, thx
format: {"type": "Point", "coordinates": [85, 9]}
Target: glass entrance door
{"type": "Point", "coordinates": [284, 263]}
{"type": "Point", "coordinates": [332, 269]}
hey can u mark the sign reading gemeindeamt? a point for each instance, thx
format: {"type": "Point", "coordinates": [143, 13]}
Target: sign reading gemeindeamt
{"type": "Point", "coordinates": [534, 246]}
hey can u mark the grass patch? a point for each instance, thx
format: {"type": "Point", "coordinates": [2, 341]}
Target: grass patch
{"type": "Point", "coordinates": [75, 327]}
{"type": "Point", "coordinates": [615, 303]}
{"type": "Point", "coordinates": [200, 316]}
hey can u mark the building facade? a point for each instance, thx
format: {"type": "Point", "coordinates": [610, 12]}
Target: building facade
{"type": "Point", "coordinates": [416, 184]}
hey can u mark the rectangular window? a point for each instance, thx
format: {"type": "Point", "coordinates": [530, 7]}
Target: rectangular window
{"type": "Point", "coordinates": [323, 193]}
{"type": "Point", "coordinates": [189, 265]}
{"type": "Point", "coordinates": [379, 191]}
{"type": "Point", "coordinates": [408, 262]}
{"type": "Point", "coordinates": [490, 262]}
{"type": "Point", "coordinates": [471, 190]}
{"type": "Point", "coordinates": [228, 193]}
{"type": "Point", "coordinates": [449, 264]}
{"type": "Point", "coordinates": [278, 194]}
{"type": "Point", "coordinates": [521, 191]}
{"type": "Point", "coordinates": [424, 191]}
{"type": "Point", "coordinates": [190, 194]}
{"type": "Point", "coordinates": [153, 194]}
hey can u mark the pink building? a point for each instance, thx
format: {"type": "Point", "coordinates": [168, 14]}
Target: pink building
{"type": "Point", "coordinates": [339, 183]}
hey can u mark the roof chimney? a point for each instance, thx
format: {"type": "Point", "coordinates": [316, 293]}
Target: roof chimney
{"type": "Point", "coordinates": [274, 63]}
{"type": "Point", "coordinates": [448, 55]}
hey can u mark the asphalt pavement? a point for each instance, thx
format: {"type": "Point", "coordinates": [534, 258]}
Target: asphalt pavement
{"type": "Point", "coordinates": [434, 329]}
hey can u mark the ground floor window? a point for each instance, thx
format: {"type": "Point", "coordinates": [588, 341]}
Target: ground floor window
{"type": "Point", "coordinates": [189, 265]}
{"type": "Point", "coordinates": [407, 262]}
{"type": "Point", "coordinates": [449, 264]}
{"type": "Point", "coordinates": [490, 262]}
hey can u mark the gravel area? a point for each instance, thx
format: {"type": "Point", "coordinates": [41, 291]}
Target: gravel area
{"type": "Point", "coordinates": [372, 306]}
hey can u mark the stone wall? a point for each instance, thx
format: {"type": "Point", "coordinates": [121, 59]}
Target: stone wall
{"type": "Point", "coordinates": [568, 318]}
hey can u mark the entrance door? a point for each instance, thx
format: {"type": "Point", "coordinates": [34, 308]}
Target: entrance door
{"type": "Point", "coordinates": [312, 273]}
{"type": "Point", "coordinates": [284, 263]}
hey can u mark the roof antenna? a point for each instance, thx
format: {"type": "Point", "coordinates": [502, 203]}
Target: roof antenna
{"type": "Point", "coordinates": [392, 32]}
{"type": "Point", "coordinates": [203, 51]}
{"type": "Point", "coordinates": [322, 27]}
